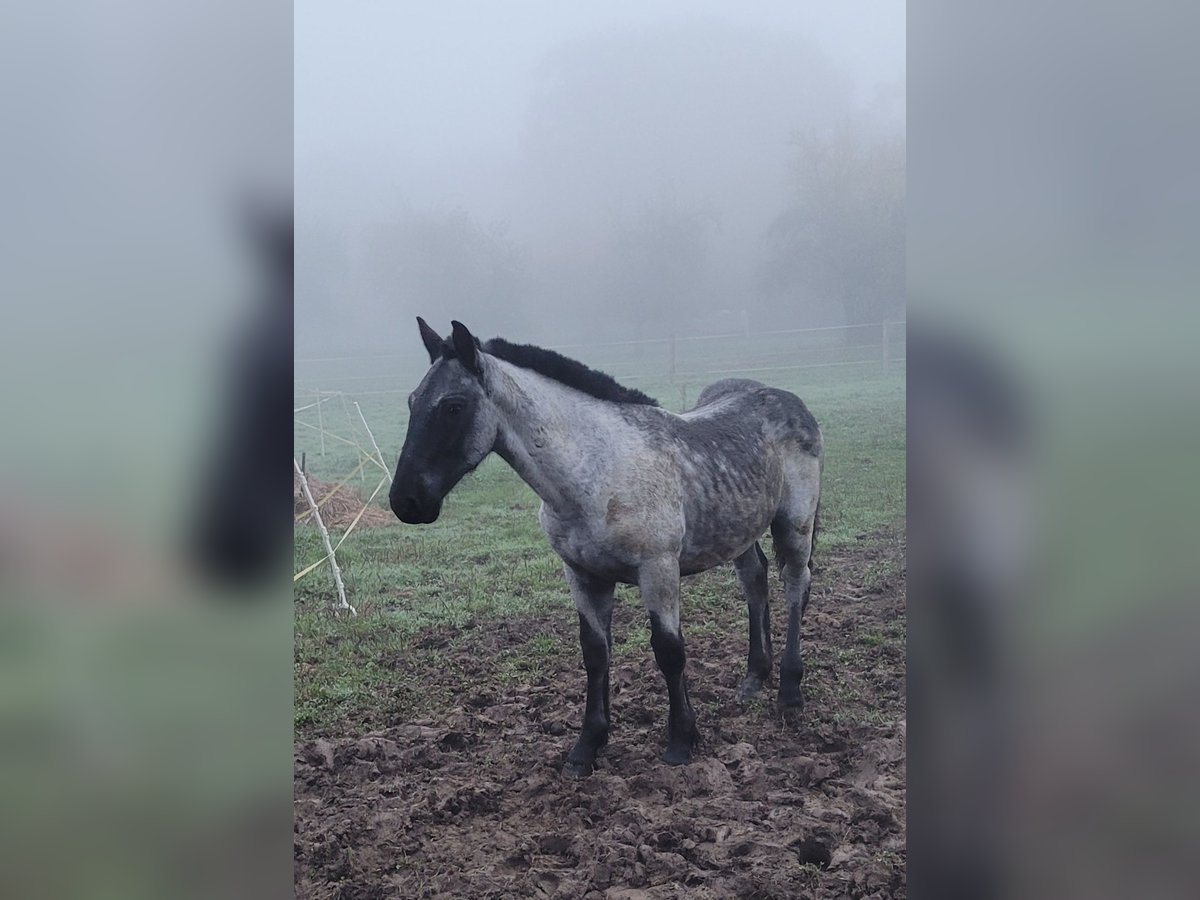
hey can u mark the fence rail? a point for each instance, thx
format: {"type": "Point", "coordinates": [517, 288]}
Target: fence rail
{"type": "Point", "coordinates": [638, 342]}
{"type": "Point", "coordinates": [681, 358]}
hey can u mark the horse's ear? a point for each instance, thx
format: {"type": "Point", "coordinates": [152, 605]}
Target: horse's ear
{"type": "Point", "coordinates": [433, 341]}
{"type": "Point", "coordinates": [466, 347]}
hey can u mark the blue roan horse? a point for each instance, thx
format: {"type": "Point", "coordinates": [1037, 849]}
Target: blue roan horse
{"type": "Point", "coordinates": [630, 493]}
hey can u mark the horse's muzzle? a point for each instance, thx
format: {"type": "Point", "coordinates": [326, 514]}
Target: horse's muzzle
{"type": "Point", "coordinates": [414, 510]}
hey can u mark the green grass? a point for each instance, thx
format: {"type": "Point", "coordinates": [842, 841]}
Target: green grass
{"type": "Point", "coordinates": [486, 559]}
{"type": "Point", "coordinates": [537, 655]}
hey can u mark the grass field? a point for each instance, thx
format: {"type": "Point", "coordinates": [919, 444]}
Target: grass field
{"type": "Point", "coordinates": [431, 727]}
{"type": "Point", "coordinates": [485, 558]}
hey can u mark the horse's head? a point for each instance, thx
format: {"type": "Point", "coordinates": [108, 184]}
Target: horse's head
{"type": "Point", "coordinates": [452, 426]}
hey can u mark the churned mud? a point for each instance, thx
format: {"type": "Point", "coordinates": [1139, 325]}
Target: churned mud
{"type": "Point", "coordinates": [470, 803]}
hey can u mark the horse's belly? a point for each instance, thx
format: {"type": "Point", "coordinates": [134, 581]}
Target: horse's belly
{"type": "Point", "coordinates": [702, 558]}
{"type": "Point", "coordinates": [707, 529]}
{"type": "Point", "coordinates": [719, 539]}
{"type": "Point", "coordinates": [597, 561]}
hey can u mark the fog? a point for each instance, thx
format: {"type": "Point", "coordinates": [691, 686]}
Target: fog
{"type": "Point", "coordinates": [556, 173]}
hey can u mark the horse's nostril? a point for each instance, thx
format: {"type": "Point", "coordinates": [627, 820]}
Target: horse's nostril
{"type": "Point", "coordinates": [405, 508]}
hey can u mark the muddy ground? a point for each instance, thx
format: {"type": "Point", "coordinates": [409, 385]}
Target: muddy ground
{"type": "Point", "coordinates": [470, 803]}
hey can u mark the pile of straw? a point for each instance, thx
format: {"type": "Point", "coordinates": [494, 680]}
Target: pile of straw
{"type": "Point", "coordinates": [339, 504]}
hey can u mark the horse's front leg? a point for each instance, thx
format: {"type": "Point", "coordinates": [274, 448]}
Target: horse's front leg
{"type": "Point", "coordinates": [659, 585]}
{"type": "Point", "coordinates": [594, 600]}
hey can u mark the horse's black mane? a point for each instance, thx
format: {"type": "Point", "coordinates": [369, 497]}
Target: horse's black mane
{"type": "Point", "coordinates": [563, 369]}
{"type": "Point", "coordinates": [570, 372]}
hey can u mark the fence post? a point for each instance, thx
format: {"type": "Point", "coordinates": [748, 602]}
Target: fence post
{"type": "Point", "coordinates": [321, 422]}
{"type": "Point", "coordinates": [362, 473]}
{"type": "Point", "coordinates": [672, 357]}
{"type": "Point", "coordinates": [886, 346]}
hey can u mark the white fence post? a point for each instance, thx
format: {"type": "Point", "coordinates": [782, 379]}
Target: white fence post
{"type": "Point", "coordinates": [378, 452]}
{"type": "Point", "coordinates": [333, 563]}
{"type": "Point", "coordinates": [362, 473]}
{"type": "Point", "coordinates": [886, 346]}
{"type": "Point", "coordinates": [321, 421]}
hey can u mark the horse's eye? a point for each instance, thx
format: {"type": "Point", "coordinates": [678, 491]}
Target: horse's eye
{"type": "Point", "coordinates": [453, 407]}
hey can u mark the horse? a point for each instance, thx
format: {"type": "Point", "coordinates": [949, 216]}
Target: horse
{"type": "Point", "coordinates": [631, 493]}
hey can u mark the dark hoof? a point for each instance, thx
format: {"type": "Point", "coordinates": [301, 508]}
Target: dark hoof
{"type": "Point", "coordinates": [679, 748]}
{"type": "Point", "coordinates": [793, 713]}
{"type": "Point", "coordinates": [749, 688]}
{"type": "Point", "coordinates": [572, 769]}
{"type": "Point", "coordinates": [677, 756]}
{"type": "Point", "coordinates": [789, 689]}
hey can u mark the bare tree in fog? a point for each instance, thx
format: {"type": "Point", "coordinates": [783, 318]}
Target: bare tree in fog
{"type": "Point", "coordinates": [843, 233]}
{"type": "Point", "coordinates": [651, 161]}
{"type": "Point", "coordinates": [660, 270]}
{"type": "Point", "coordinates": [436, 260]}
{"type": "Point", "coordinates": [611, 176]}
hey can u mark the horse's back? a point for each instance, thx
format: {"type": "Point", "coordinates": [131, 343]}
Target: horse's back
{"type": "Point", "coordinates": [719, 390]}
{"type": "Point", "coordinates": [781, 413]}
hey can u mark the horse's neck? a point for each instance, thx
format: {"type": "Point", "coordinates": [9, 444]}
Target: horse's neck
{"type": "Point", "coordinates": [548, 431]}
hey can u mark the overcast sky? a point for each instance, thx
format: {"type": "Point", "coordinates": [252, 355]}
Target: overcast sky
{"type": "Point", "coordinates": [428, 86]}
{"type": "Point", "coordinates": [351, 56]}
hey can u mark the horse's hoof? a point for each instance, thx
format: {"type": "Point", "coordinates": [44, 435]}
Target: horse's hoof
{"type": "Point", "coordinates": [677, 756]}
{"type": "Point", "coordinates": [572, 769]}
{"type": "Point", "coordinates": [749, 688]}
{"type": "Point", "coordinates": [679, 748]}
{"type": "Point", "coordinates": [790, 694]}
{"type": "Point", "coordinates": [793, 713]}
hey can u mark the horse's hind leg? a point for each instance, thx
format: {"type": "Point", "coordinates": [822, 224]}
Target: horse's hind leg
{"type": "Point", "coordinates": [751, 569]}
{"type": "Point", "coordinates": [793, 545]}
